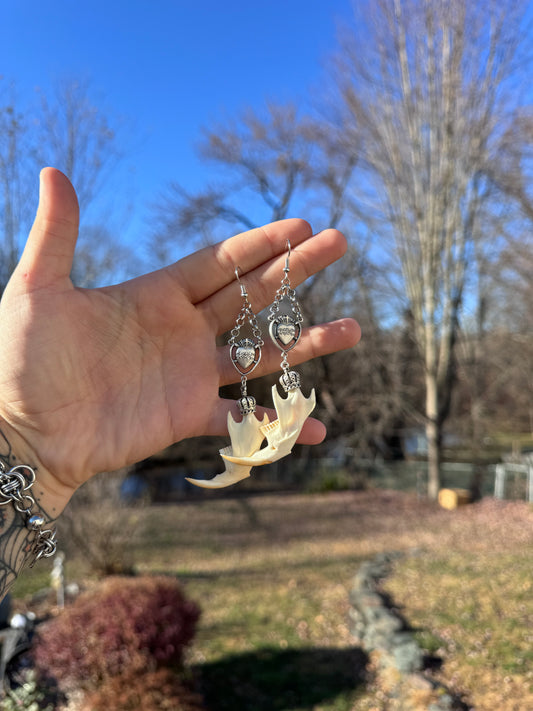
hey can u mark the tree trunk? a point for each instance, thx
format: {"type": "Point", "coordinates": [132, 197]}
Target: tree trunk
{"type": "Point", "coordinates": [433, 435]}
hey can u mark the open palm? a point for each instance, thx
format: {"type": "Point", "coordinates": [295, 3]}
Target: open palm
{"type": "Point", "coordinates": [95, 379]}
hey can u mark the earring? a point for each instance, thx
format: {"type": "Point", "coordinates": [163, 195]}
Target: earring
{"type": "Point", "coordinates": [286, 328]}
{"type": "Point", "coordinates": [285, 331]}
{"type": "Point", "coordinates": [247, 435]}
{"type": "Point", "coordinates": [245, 354]}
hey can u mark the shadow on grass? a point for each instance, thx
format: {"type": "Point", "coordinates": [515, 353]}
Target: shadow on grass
{"type": "Point", "coordinates": [281, 680]}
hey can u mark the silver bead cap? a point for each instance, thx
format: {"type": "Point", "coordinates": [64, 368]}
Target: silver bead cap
{"type": "Point", "coordinates": [247, 404]}
{"type": "Point", "coordinates": [290, 380]}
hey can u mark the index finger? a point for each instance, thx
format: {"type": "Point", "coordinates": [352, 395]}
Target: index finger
{"type": "Point", "coordinates": [207, 271]}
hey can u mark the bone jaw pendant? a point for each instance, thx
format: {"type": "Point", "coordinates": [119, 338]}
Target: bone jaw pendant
{"type": "Point", "coordinates": [248, 435]}
{"type": "Point", "coordinates": [281, 434]}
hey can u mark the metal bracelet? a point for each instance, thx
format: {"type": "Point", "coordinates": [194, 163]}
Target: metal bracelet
{"type": "Point", "coordinates": [15, 486]}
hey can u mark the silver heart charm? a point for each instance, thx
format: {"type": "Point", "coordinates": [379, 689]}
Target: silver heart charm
{"type": "Point", "coordinates": [245, 355]}
{"type": "Point", "coordinates": [285, 332]}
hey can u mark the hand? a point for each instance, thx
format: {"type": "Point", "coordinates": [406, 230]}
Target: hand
{"type": "Point", "coordinates": [95, 379]}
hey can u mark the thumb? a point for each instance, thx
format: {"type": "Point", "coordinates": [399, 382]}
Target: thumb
{"type": "Point", "coordinates": [49, 251]}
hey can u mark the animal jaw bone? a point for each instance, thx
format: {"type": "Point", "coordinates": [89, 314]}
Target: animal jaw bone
{"type": "Point", "coordinates": [282, 433]}
{"type": "Point", "coordinates": [246, 438]}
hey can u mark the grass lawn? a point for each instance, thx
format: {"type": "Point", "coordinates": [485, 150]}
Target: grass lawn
{"type": "Point", "coordinates": [472, 602]}
{"type": "Point", "coordinates": [272, 575]}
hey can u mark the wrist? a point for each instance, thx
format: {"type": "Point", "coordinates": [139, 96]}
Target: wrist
{"type": "Point", "coordinates": [50, 495]}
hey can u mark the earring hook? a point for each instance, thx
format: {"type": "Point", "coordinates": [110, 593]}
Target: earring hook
{"type": "Point", "coordinates": [244, 293]}
{"type": "Point", "coordinates": [287, 268]}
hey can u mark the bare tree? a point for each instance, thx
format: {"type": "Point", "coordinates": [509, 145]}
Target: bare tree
{"type": "Point", "coordinates": [263, 161]}
{"type": "Point", "coordinates": [76, 136]}
{"type": "Point", "coordinates": [427, 87]}
{"type": "Point", "coordinates": [513, 326]}
{"type": "Point", "coordinates": [67, 130]}
{"type": "Point", "coordinates": [98, 525]}
{"type": "Point", "coordinates": [14, 159]}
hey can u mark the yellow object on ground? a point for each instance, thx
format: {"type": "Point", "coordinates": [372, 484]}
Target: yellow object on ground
{"type": "Point", "coordinates": [452, 498]}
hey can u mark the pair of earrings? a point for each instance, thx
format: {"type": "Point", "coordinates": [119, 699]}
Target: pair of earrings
{"type": "Point", "coordinates": [247, 436]}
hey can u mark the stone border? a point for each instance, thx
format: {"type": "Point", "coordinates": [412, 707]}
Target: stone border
{"type": "Point", "coordinates": [396, 658]}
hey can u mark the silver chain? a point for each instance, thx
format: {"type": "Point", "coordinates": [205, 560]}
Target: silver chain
{"type": "Point", "coordinates": [246, 314]}
{"type": "Point", "coordinates": [15, 486]}
{"type": "Point", "coordinates": [286, 291]}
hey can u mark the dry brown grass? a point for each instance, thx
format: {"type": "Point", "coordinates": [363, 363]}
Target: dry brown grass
{"type": "Point", "coordinates": [272, 575]}
{"type": "Point", "coordinates": [471, 594]}
{"type": "Point", "coordinates": [276, 570]}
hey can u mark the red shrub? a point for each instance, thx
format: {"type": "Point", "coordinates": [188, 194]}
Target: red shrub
{"type": "Point", "coordinates": [127, 624]}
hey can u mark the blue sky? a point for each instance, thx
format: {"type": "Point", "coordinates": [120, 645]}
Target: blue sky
{"type": "Point", "coordinates": [168, 67]}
